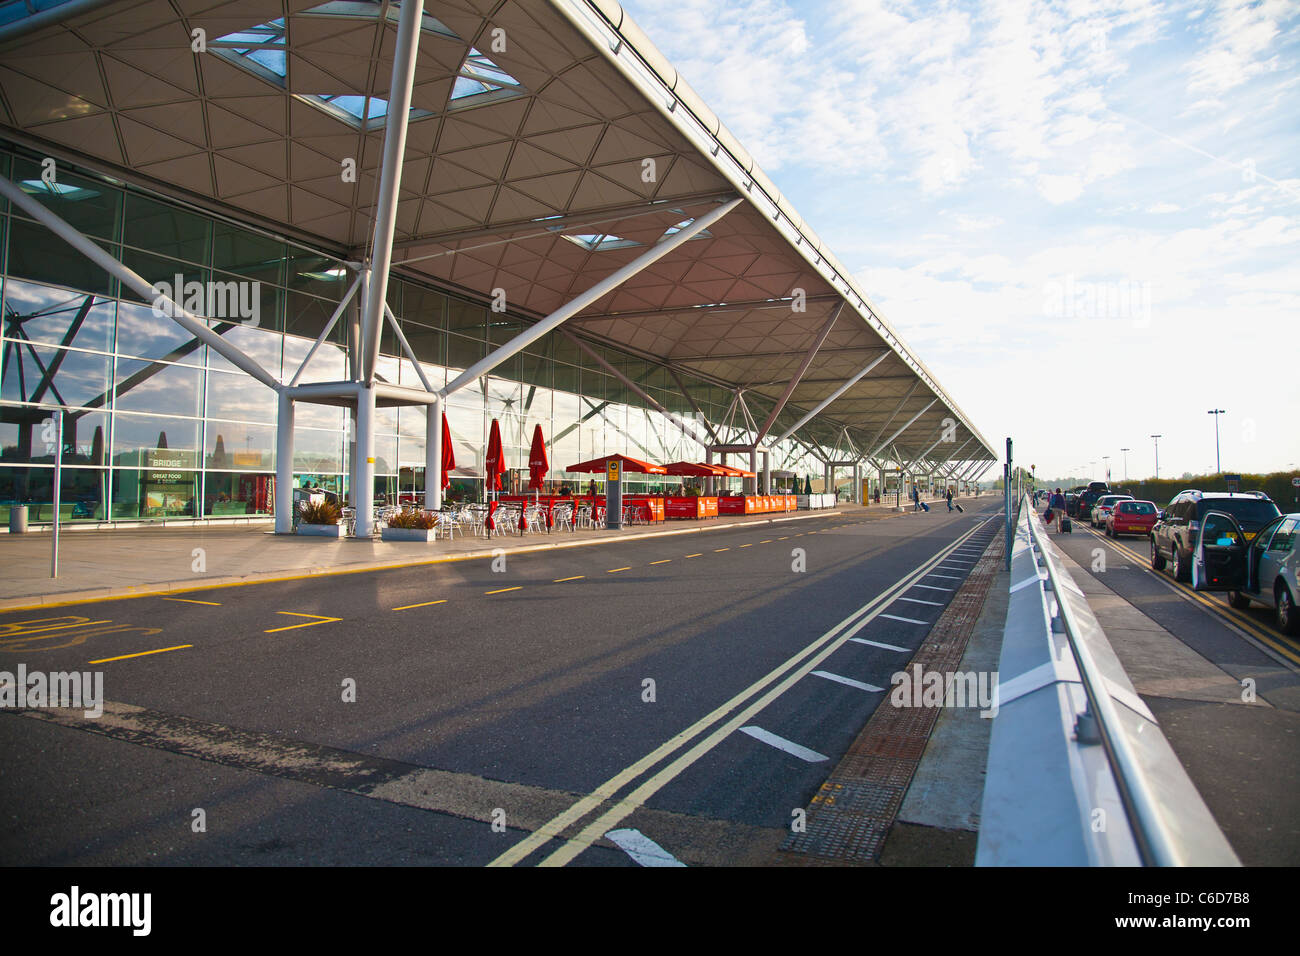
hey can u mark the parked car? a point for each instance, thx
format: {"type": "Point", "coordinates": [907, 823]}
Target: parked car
{"type": "Point", "coordinates": [1173, 536]}
{"type": "Point", "coordinates": [1258, 570]}
{"type": "Point", "coordinates": [1072, 505]}
{"type": "Point", "coordinates": [1100, 511]}
{"type": "Point", "coordinates": [1131, 517]}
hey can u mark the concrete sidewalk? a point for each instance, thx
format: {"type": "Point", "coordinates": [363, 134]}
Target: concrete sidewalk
{"type": "Point", "coordinates": [94, 565]}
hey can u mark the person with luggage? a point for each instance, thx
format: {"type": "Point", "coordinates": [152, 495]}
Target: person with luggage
{"type": "Point", "coordinates": [1056, 510]}
{"type": "Point", "coordinates": [949, 497]}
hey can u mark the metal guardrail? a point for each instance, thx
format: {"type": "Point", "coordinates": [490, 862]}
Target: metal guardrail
{"type": "Point", "coordinates": [1079, 772]}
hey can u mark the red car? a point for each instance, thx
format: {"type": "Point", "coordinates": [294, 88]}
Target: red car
{"type": "Point", "coordinates": [1131, 517]}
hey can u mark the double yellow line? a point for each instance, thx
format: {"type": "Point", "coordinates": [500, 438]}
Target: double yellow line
{"type": "Point", "coordinates": [1224, 611]}
{"type": "Point", "coordinates": [740, 708]}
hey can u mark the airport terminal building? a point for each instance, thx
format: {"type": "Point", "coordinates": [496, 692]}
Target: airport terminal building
{"type": "Point", "coordinates": [274, 243]}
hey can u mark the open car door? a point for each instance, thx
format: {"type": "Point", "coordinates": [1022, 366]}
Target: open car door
{"type": "Point", "coordinates": [1219, 561]}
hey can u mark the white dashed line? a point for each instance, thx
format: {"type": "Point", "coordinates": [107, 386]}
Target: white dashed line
{"type": "Point", "coordinates": [642, 849]}
{"type": "Point", "coordinates": [931, 587]}
{"type": "Point", "coordinates": [849, 681]}
{"type": "Point", "coordinates": [780, 743]}
{"type": "Point", "coordinates": [919, 601]}
{"type": "Point", "coordinates": [909, 620]}
{"type": "Point", "coordinates": [888, 647]}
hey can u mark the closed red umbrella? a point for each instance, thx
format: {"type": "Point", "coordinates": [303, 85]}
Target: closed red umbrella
{"type": "Point", "coordinates": [538, 464]}
{"type": "Point", "coordinates": [495, 459]}
{"type": "Point", "coordinates": [448, 453]}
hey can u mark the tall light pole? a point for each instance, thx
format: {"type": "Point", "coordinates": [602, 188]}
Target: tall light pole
{"type": "Point", "coordinates": [1126, 451]}
{"type": "Point", "coordinates": [1157, 438]}
{"type": "Point", "coordinates": [1218, 466]}
{"type": "Point", "coordinates": [1106, 459]}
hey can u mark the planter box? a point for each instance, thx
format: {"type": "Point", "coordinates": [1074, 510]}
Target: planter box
{"type": "Point", "coordinates": [409, 534]}
{"type": "Point", "coordinates": [321, 530]}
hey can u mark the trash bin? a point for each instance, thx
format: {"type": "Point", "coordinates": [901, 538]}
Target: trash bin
{"type": "Point", "coordinates": [18, 519]}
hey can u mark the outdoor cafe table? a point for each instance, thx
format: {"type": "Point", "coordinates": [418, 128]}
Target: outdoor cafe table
{"type": "Point", "coordinates": [650, 507]}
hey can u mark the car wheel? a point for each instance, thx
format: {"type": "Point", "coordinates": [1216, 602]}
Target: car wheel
{"type": "Point", "coordinates": [1182, 571]}
{"type": "Point", "coordinates": [1238, 600]}
{"type": "Point", "coordinates": [1284, 612]}
{"type": "Point", "coordinates": [1157, 559]}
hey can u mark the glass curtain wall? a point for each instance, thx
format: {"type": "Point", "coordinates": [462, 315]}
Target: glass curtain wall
{"type": "Point", "coordinates": [159, 426]}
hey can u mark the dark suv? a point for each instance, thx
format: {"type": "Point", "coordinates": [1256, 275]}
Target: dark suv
{"type": "Point", "coordinates": [1173, 538]}
{"type": "Point", "coordinates": [1088, 498]}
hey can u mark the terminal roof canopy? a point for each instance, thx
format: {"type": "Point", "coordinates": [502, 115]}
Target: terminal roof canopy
{"type": "Point", "coordinates": [549, 144]}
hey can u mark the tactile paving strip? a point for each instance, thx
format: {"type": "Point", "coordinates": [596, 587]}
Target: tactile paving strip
{"type": "Point", "coordinates": [851, 815]}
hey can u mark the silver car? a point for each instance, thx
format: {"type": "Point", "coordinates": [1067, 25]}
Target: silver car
{"type": "Point", "coordinates": [1102, 508]}
{"type": "Point", "coordinates": [1261, 570]}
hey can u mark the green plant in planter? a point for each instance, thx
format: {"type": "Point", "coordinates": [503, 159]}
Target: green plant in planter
{"type": "Point", "coordinates": [326, 512]}
{"type": "Point", "coordinates": [418, 520]}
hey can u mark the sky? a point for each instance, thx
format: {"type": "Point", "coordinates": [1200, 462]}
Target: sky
{"type": "Point", "coordinates": [1083, 216]}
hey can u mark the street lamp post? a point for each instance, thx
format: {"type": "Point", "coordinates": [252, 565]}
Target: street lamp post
{"type": "Point", "coordinates": [1126, 451]}
{"type": "Point", "coordinates": [1157, 438]}
{"type": "Point", "coordinates": [1106, 459]}
{"type": "Point", "coordinates": [1218, 466]}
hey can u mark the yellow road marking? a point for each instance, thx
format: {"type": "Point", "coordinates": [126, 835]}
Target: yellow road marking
{"type": "Point", "coordinates": [407, 607]}
{"type": "Point", "coordinates": [768, 541]}
{"type": "Point", "coordinates": [192, 601]}
{"type": "Point", "coordinates": [664, 561]}
{"type": "Point", "coordinates": [318, 620]}
{"type": "Point", "coordinates": [800, 663]}
{"type": "Point", "coordinates": [750, 545]}
{"type": "Point", "coordinates": [576, 577]}
{"type": "Point", "coordinates": [720, 550]}
{"type": "Point", "coordinates": [21, 628]}
{"type": "Point", "coordinates": [616, 570]}
{"type": "Point", "coordinates": [1224, 611]}
{"type": "Point", "coordinates": [783, 537]}
{"type": "Point", "coordinates": [695, 555]}
{"type": "Point", "coordinates": [161, 650]}
{"type": "Point", "coordinates": [504, 590]}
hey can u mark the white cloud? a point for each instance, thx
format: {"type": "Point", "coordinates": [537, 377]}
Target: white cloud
{"type": "Point", "coordinates": [1242, 44]}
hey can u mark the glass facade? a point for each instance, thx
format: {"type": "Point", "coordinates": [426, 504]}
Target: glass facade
{"type": "Point", "coordinates": [157, 425]}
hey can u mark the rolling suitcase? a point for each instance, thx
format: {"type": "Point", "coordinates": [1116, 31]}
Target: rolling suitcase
{"type": "Point", "coordinates": [1066, 526]}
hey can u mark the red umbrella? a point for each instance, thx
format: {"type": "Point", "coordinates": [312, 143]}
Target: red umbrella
{"type": "Point", "coordinates": [538, 465]}
{"type": "Point", "coordinates": [597, 465]}
{"type": "Point", "coordinates": [448, 453]}
{"type": "Point", "coordinates": [495, 460]}
{"type": "Point", "coordinates": [697, 469]}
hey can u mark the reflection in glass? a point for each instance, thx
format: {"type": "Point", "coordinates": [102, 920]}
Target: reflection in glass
{"type": "Point", "coordinates": [40, 313]}
{"type": "Point", "coordinates": [137, 437]}
{"type": "Point", "coordinates": [156, 387]}
{"type": "Point", "coordinates": [37, 373]}
{"type": "Point", "coordinates": [235, 446]}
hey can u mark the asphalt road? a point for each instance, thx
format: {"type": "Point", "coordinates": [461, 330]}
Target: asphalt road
{"type": "Point", "coordinates": [1244, 760]}
{"type": "Point", "coordinates": [445, 714]}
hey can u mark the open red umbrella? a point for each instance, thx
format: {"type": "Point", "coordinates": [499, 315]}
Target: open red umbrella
{"type": "Point", "coordinates": [598, 465]}
{"type": "Point", "coordinates": [448, 454]}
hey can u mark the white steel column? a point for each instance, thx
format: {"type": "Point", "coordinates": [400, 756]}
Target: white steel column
{"type": "Point", "coordinates": [830, 398]}
{"type": "Point", "coordinates": [799, 373]}
{"type": "Point", "coordinates": [767, 473]}
{"type": "Point", "coordinates": [363, 496]}
{"type": "Point", "coordinates": [284, 465]}
{"type": "Point", "coordinates": [602, 288]}
{"type": "Point", "coordinates": [433, 457]}
{"type": "Point", "coordinates": [910, 421]}
{"type": "Point", "coordinates": [390, 181]}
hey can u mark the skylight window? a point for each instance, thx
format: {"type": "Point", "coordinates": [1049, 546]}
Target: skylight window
{"type": "Point", "coordinates": [678, 227]}
{"type": "Point", "coordinates": [601, 242]}
{"type": "Point", "coordinates": [37, 186]}
{"type": "Point", "coordinates": [262, 51]}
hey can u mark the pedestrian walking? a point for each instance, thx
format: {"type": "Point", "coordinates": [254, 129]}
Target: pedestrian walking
{"type": "Point", "coordinates": [916, 498]}
{"type": "Point", "coordinates": [950, 497]}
